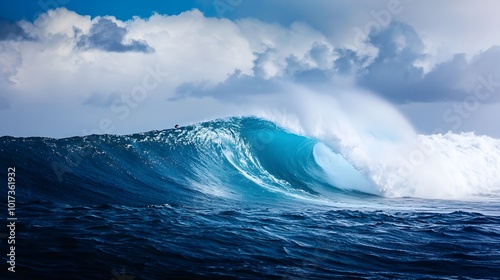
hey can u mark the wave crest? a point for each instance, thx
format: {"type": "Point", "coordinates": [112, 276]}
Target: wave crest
{"type": "Point", "coordinates": [252, 158]}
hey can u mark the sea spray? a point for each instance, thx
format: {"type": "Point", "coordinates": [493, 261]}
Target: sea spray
{"type": "Point", "coordinates": [378, 141]}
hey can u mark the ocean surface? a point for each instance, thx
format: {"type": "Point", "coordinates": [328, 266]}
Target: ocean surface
{"type": "Point", "coordinates": [248, 198]}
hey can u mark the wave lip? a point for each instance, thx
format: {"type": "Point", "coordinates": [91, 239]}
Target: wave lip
{"type": "Point", "coordinates": [248, 158]}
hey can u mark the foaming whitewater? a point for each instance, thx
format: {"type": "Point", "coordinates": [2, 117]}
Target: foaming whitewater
{"type": "Point", "coordinates": [317, 149]}
{"type": "Point", "coordinates": [358, 131]}
{"type": "Point", "coordinates": [325, 188]}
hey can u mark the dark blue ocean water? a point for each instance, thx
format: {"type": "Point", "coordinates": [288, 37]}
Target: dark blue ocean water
{"type": "Point", "coordinates": [230, 199]}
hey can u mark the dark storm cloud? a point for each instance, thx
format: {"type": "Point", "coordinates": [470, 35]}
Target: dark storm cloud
{"type": "Point", "coordinates": [458, 79]}
{"type": "Point", "coordinates": [108, 36]}
{"type": "Point", "coordinates": [10, 30]}
{"type": "Point", "coordinates": [237, 86]}
{"type": "Point", "coordinates": [393, 73]}
{"type": "Point", "coordinates": [304, 74]}
{"type": "Point", "coordinates": [347, 61]}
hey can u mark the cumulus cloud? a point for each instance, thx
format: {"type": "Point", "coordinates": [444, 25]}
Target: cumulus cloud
{"type": "Point", "coordinates": [12, 31]}
{"type": "Point", "coordinates": [141, 72]}
{"type": "Point", "coordinates": [106, 35]}
{"type": "Point", "coordinates": [395, 72]}
{"type": "Point", "coordinates": [236, 88]}
{"type": "Point", "coordinates": [443, 24]}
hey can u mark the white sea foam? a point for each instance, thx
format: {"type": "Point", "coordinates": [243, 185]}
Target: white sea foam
{"type": "Point", "coordinates": [379, 142]}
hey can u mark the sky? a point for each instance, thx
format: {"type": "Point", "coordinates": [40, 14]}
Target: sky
{"type": "Point", "coordinates": [72, 67]}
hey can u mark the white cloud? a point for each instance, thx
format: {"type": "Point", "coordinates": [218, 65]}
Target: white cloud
{"type": "Point", "coordinates": [80, 70]}
{"type": "Point", "coordinates": [66, 80]}
{"type": "Point", "coordinates": [447, 27]}
{"type": "Point", "coordinates": [455, 26]}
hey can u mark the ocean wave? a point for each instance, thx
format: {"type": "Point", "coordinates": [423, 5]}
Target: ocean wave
{"type": "Point", "coordinates": [250, 158]}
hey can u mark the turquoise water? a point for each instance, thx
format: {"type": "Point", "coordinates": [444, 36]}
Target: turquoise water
{"type": "Point", "coordinates": [234, 198]}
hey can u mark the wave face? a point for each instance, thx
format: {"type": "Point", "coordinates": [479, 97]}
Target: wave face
{"type": "Point", "coordinates": [240, 158]}
{"type": "Point", "coordinates": [246, 198]}
{"type": "Point", "coordinates": [247, 158]}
